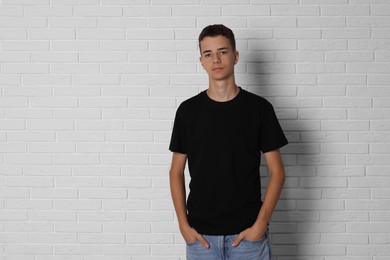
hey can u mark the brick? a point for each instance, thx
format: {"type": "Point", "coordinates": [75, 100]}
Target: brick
{"type": "Point", "coordinates": [14, 57]}
{"type": "Point", "coordinates": [197, 11]}
{"type": "Point", "coordinates": [76, 204]}
{"type": "Point", "coordinates": [101, 216]}
{"type": "Point", "coordinates": [380, 33]}
{"type": "Point", "coordinates": [379, 125]}
{"type": "Point", "coordinates": [14, 215]}
{"type": "Point", "coordinates": [367, 227]}
{"type": "Point", "coordinates": [27, 249]}
{"type": "Point", "coordinates": [296, 238]}
{"type": "Point", "coordinates": [172, 68]}
{"type": "Point", "coordinates": [298, 56]}
{"type": "Point", "coordinates": [74, 2]}
{"type": "Point", "coordinates": [374, 91]}
{"type": "Point", "coordinates": [371, 137]}
{"type": "Point", "coordinates": [72, 182]}
{"type": "Point", "coordinates": [117, 68]}
{"type": "Point", "coordinates": [374, 68]}
{"type": "Point", "coordinates": [47, 238]}
{"type": "Point", "coordinates": [340, 171]}
{"type": "Point", "coordinates": [382, 148]}
{"type": "Point", "coordinates": [320, 68]}
{"type": "Point", "coordinates": [142, 216]}
{"type": "Point", "coordinates": [102, 238]}
{"type": "Point", "coordinates": [328, 227]}
{"type": "Point", "coordinates": [80, 137]}
{"type": "Point", "coordinates": [24, 226]}
{"type": "Point", "coordinates": [13, 238]}
{"type": "Point", "coordinates": [72, 22]}
{"type": "Point", "coordinates": [77, 249]}
{"type": "Point", "coordinates": [97, 11]}
{"type": "Point", "coordinates": [379, 216]}
{"type": "Point", "coordinates": [323, 204]}
{"type": "Point", "coordinates": [272, 22]}
{"type": "Point", "coordinates": [128, 204]}
{"type": "Point", "coordinates": [25, 68]}
{"type": "Point", "coordinates": [336, 193]}
{"type": "Point", "coordinates": [126, 249]}
{"type": "Point", "coordinates": [242, 10]}
{"type": "Point", "coordinates": [321, 22]}
{"type": "Point", "coordinates": [350, 125]}
{"type": "Point", "coordinates": [94, 125]}
{"type": "Point", "coordinates": [367, 182]}
{"type": "Point", "coordinates": [105, 193]}
{"type": "Point", "coordinates": [96, 170]}
{"type": "Point", "coordinates": [322, 45]}
{"type": "Point", "coordinates": [45, 11]}
{"type": "Point", "coordinates": [346, 216]}
{"type": "Point", "coordinates": [77, 113]}
{"type": "Point", "coordinates": [294, 10]}
{"type": "Point", "coordinates": [382, 193]}
{"type": "Point", "coordinates": [124, 182]}
{"type": "Point", "coordinates": [344, 148]}
{"type": "Point", "coordinates": [377, 113]}
{"type": "Point", "coordinates": [379, 21]}
{"type": "Point", "coordinates": [120, 227]}
{"type": "Point", "coordinates": [171, 22]}
{"type": "Point", "coordinates": [297, 33]}
{"type": "Point", "coordinates": [49, 170]}
{"type": "Point", "coordinates": [279, 45]}
{"type": "Point", "coordinates": [344, 238]}
{"type": "Point", "coordinates": [349, 56]}
{"type": "Point", "coordinates": [24, 159]}
{"type": "Point", "coordinates": [359, 159]}
{"type": "Point", "coordinates": [368, 45]}
{"type": "Point", "coordinates": [317, 182]}
{"type": "Point", "coordinates": [54, 193]}
{"type": "Point", "coordinates": [346, 33]}
{"type": "Point", "coordinates": [52, 215]}
{"type": "Point", "coordinates": [29, 204]}
{"type": "Point", "coordinates": [368, 250]}
{"type": "Point", "coordinates": [22, 22]}
{"type": "Point", "coordinates": [322, 113]}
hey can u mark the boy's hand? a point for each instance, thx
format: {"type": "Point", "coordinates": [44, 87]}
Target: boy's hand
{"type": "Point", "coordinates": [252, 233]}
{"type": "Point", "coordinates": [190, 235]}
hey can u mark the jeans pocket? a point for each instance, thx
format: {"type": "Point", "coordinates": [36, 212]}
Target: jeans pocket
{"type": "Point", "coordinates": [192, 243]}
{"type": "Point", "coordinates": [257, 240]}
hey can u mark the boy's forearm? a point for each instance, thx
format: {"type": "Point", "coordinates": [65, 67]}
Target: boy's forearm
{"type": "Point", "coordinates": [274, 187]}
{"type": "Point", "coordinates": [271, 197]}
{"type": "Point", "coordinates": [178, 193]}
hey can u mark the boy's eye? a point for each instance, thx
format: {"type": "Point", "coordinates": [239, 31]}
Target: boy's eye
{"type": "Point", "coordinates": [223, 52]}
{"type": "Point", "coordinates": [207, 55]}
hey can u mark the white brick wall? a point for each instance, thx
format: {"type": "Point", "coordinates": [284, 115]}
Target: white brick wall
{"type": "Point", "coordinates": [89, 88]}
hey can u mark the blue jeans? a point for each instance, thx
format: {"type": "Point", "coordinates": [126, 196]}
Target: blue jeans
{"type": "Point", "coordinates": [221, 249]}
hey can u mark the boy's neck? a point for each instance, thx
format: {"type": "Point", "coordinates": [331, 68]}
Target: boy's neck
{"type": "Point", "coordinates": [222, 91]}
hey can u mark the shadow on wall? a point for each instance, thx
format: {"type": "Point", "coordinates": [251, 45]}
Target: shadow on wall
{"type": "Point", "coordinates": [294, 215]}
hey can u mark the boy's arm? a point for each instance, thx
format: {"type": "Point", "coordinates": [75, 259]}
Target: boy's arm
{"type": "Point", "coordinates": [274, 188]}
{"type": "Point", "coordinates": [178, 192]}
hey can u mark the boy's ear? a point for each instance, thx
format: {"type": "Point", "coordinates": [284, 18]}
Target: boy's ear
{"type": "Point", "coordinates": [237, 57]}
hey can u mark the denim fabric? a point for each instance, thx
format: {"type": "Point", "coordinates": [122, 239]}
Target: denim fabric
{"type": "Point", "coordinates": [221, 249]}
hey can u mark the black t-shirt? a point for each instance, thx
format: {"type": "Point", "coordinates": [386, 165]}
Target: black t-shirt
{"type": "Point", "coordinates": [223, 142]}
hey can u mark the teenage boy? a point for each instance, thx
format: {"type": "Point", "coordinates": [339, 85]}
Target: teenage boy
{"type": "Point", "coordinates": [222, 132]}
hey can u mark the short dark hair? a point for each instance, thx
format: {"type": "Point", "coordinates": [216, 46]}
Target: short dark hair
{"type": "Point", "coordinates": [216, 30]}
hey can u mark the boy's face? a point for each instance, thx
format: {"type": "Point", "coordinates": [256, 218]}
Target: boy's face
{"type": "Point", "coordinates": [218, 57]}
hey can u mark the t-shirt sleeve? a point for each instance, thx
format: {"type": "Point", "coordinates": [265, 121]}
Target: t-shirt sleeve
{"type": "Point", "coordinates": [177, 143]}
{"type": "Point", "coordinates": [271, 133]}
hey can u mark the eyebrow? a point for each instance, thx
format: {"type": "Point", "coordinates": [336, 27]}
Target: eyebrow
{"type": "Point", "coordinates": [223, 48]}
